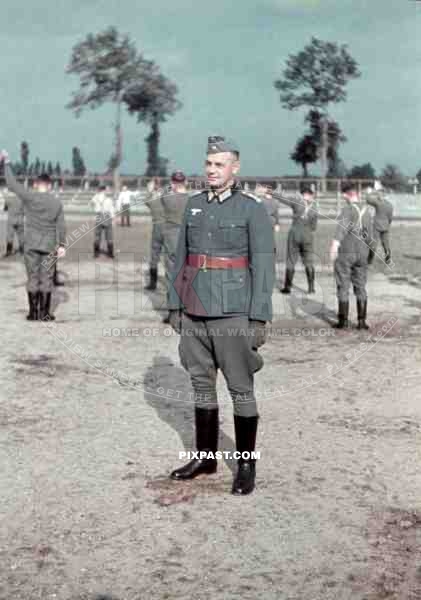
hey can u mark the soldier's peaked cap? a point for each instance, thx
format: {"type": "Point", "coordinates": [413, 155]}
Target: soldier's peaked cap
{"type": "Point", "coordinates": [306, 189]}
{"type": "Point", "coordinates": [218, 143]}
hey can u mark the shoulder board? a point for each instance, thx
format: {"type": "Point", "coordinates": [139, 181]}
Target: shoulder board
{"type": "Point", "coordinates": [250, 195]}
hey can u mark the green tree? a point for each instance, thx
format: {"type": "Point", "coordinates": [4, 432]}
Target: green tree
{"type": "Point", "coordinates": [334, 138]}
{"type": "Point", "coordinates": [24, 156]}
{"type": "Point", "coordinates": [316, 77]}
{"type": "Point", "coordinates": [365, 171]}
{"type": "Point", "coordinates": [43, 167]}
{"type": "Point", "coordinates": [78, 163]}
{"type": "Point", "coordinates": [153, 99]}
{"type": "Point", "coordinates": [393, 178]}
{"type": "Point", "coordinates": [57, 169]}
{"type": "Point", "coordinates": [37, 166]}
{"type": "Point", "coordinates": [107, 64]}
{"type": "Point", "coordinates": [50, 169]}
{"type": "Point", "coordinates": [305, 152]}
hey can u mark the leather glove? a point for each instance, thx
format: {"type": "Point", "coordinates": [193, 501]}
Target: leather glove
{"type": "Point", "coordinates": [175, 320]}
{"type": "Point", "coordinates": [258, 331]}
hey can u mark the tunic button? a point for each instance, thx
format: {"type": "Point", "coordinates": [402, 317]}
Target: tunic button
{"type": "Point", "coordinates": [209, 235]}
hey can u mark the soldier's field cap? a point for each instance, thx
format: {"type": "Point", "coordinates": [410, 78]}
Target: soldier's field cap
{"type": "Point", "coordinates": [218, 143]}
{"type": "Point", "coordinates": [178, 177]}
{"type": "Point", "coordinates": [305, 188]}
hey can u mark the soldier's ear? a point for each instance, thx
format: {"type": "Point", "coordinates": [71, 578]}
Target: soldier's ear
{"type": "Point", "coordinates": [236, 166]}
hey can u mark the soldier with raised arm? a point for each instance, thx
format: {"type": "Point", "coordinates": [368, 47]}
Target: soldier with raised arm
{"type": "Point", "coordinates": [44, 238]}
{"type": "Point", "coordinates": [300, 235]}
{"type": "Point", "coordinates": [382, 220]}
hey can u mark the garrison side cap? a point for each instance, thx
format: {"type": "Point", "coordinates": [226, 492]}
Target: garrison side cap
{"type": "Point", "coordinates": [218, 143]}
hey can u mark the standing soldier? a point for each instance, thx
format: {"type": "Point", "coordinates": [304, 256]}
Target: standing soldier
{"type": "Point", "coordinates": [272, 207]}
{"type": "Point", "coordinates": [220, 301]}
{"type": "Point", "coordinates": [123, 205]}
{"type": "Point", "coordinates": [104, 214]}
{"type": "Point", "coordinates": [349, 252]}
{"type": "Point", "coordinates": [15, 217]}
{"type": "Point", "coordinates": [44, 237]}
{"type": "Point", "coordinates": [300, 235]}
{"type": "Point", "coordinates": [174, 205]}
{"type": "Point", "coordinates": [382, 221]}
{"type": "Point", "coordinates": [157, 241]}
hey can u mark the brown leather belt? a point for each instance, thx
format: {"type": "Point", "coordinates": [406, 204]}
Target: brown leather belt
{"type": "Point", "coordinates": [204, 262]}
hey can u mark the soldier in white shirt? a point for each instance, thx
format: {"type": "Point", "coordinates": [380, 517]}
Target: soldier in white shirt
{"type": "Point", "coordinates": [123, 205]}
{"type": "Point", "coordinates": [104, 214]}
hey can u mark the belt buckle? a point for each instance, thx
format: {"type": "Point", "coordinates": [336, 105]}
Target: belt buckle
{"type": "Point", "coordinates": [203, 266]}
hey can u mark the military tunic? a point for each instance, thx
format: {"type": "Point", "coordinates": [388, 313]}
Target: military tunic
{"type": "Point", "coordinates": [15, 221]}
{"type": "Point", "coordinates": [44, 231]}
{"type": "Point", "coordinates": [382, 221]}
{"type": "Point", "coordinates": [219, 302]}
{"type": "Point", "coordinates": [301, 233]}
{"type": "Point", "coordinates": [354, 233]}
{"type": "Point", "coordinates": [153, 202]}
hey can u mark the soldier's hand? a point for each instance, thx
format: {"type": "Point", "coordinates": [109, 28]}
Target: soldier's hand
{"type": "Point", "coordinates": [61, 252]}
{"type": "Point", "coordinates": [276, 228]}
{"type": "Point", "coordinates": [151, 186]}
{"type": "Point", "coordinates": [377, 185]}
{"type": "Point", "coordinates": [258, 331]}
{"type": "Point", "coordinates": [175, 320]}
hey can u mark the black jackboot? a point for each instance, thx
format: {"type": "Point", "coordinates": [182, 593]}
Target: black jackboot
{"type": "Point", "coordinates": [110, 249]}
{"type": "Point", "coordinates": [153, 279]}
{"type": "Point", "coordinates": [166, 319]}
{"type": "Point", "coordinates": [96, 250]}
{"type": "Point", "coordinates": [207, 425]}
{"type": "Point", "coordinates": [33, 299]}
{"type": "Point", "coordinates": [9, 249]}
{"type": "Point", "coordinates": [44, 307]}
{"type": "Point", "coordinates": [310, 273]}
{"type": "Point", "coordinates": [362, 314]}
{"type": "Point", "coordinates": [289, 276]}
{"type": "Point", "coordinates": [245, 439]}
{"type": "Point", "coordinates": [343, 311]}
{"type": "Point", "coordinates": [57, 282]}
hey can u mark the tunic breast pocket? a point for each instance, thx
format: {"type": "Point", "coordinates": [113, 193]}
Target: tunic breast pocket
{"type": "Point", "coordinates": [193, 233]}
{"type": "Point", "coordinates": [233, 232]}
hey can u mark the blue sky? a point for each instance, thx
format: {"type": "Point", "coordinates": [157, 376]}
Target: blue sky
{"type": "Point", "coordinates": [224, 56]}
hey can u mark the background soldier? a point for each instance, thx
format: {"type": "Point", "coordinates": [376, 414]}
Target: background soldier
{"type": "Point", "coordinates": [222, 281]}
{"type": "Point", "coordinates": [123, 205]}
{"type": "Point", "coordinates": [174, 206]}
{"type": "Point", "coordinates": [104, 214]}
{"type": "Point", "coordinates": [300, 236]}
{"type": "Point", "coordinates": [349, 252]}
{"type": "Point", "coordinates": [44, 238]}
{"type": "Point", "coordinates": [157, 241]}
{"type": "Point", "coordinates": [382, 221]}
{"type": "Point", "coordinates": [272, 207]}
{"type": "Point", "coordinates": [15, 216]}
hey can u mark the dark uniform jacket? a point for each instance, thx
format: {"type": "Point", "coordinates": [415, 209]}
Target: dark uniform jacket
{"type": "Point", "coordinates": [384, 211]}
{"type": "Point", "coordinates": [236, 225]}
{"type": "Point", "coordinates": [153, 202]}
{"type": "Point", "coordinates": [174, 206]}
{"type": "Point", "coordinates": [44, 226]}
{"type": "Point", "coordinates": [272, 207]}
{"type": "Point", "coordinates": [354, 230]}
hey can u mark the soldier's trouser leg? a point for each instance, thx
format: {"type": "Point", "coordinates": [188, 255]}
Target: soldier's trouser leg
{"type": "Point", "coordinates": [196, 356]}
{"type": "Point", "coordinates": [11, 230]}
{"type": "Point", "coordinates": [234, 354]}
{"type": "Point", "coordinates": [46, 288]}
{"type": "Point", "coordinates": [291, 259]}
{"type": "Point", "coordinates": [98, 235]}
{"type": "Point", "coordinates": [384, 236]}
{"type": "Point", "coordinates": [20, 232]}
{"type": "Point", "coordinates": [108, 230]}
{"type": "Point", "coordinates": [343, 281]}
{"type": "Point", "coordinates": [306, 251]}
{"type": "Point", "coordinates": [127, 215]}
{"type": "Point", "coordinates": [157, 243]}
{"type": "Point", "coordinates": [359, 282]}
{"type": "Point", "coordinates": [33, 261]}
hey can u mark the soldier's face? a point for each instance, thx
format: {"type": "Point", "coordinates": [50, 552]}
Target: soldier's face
{"type": "Point", "coordinates": [307, 198]}
{"type": "Point", "coordinates": [220, 169]}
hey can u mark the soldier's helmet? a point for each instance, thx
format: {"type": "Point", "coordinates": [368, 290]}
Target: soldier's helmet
{"type": "Point", "coordinates": [178, 177]}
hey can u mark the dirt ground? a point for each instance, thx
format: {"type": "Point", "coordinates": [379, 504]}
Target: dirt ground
{"type": "Point", "coordinates": [92, 420]}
